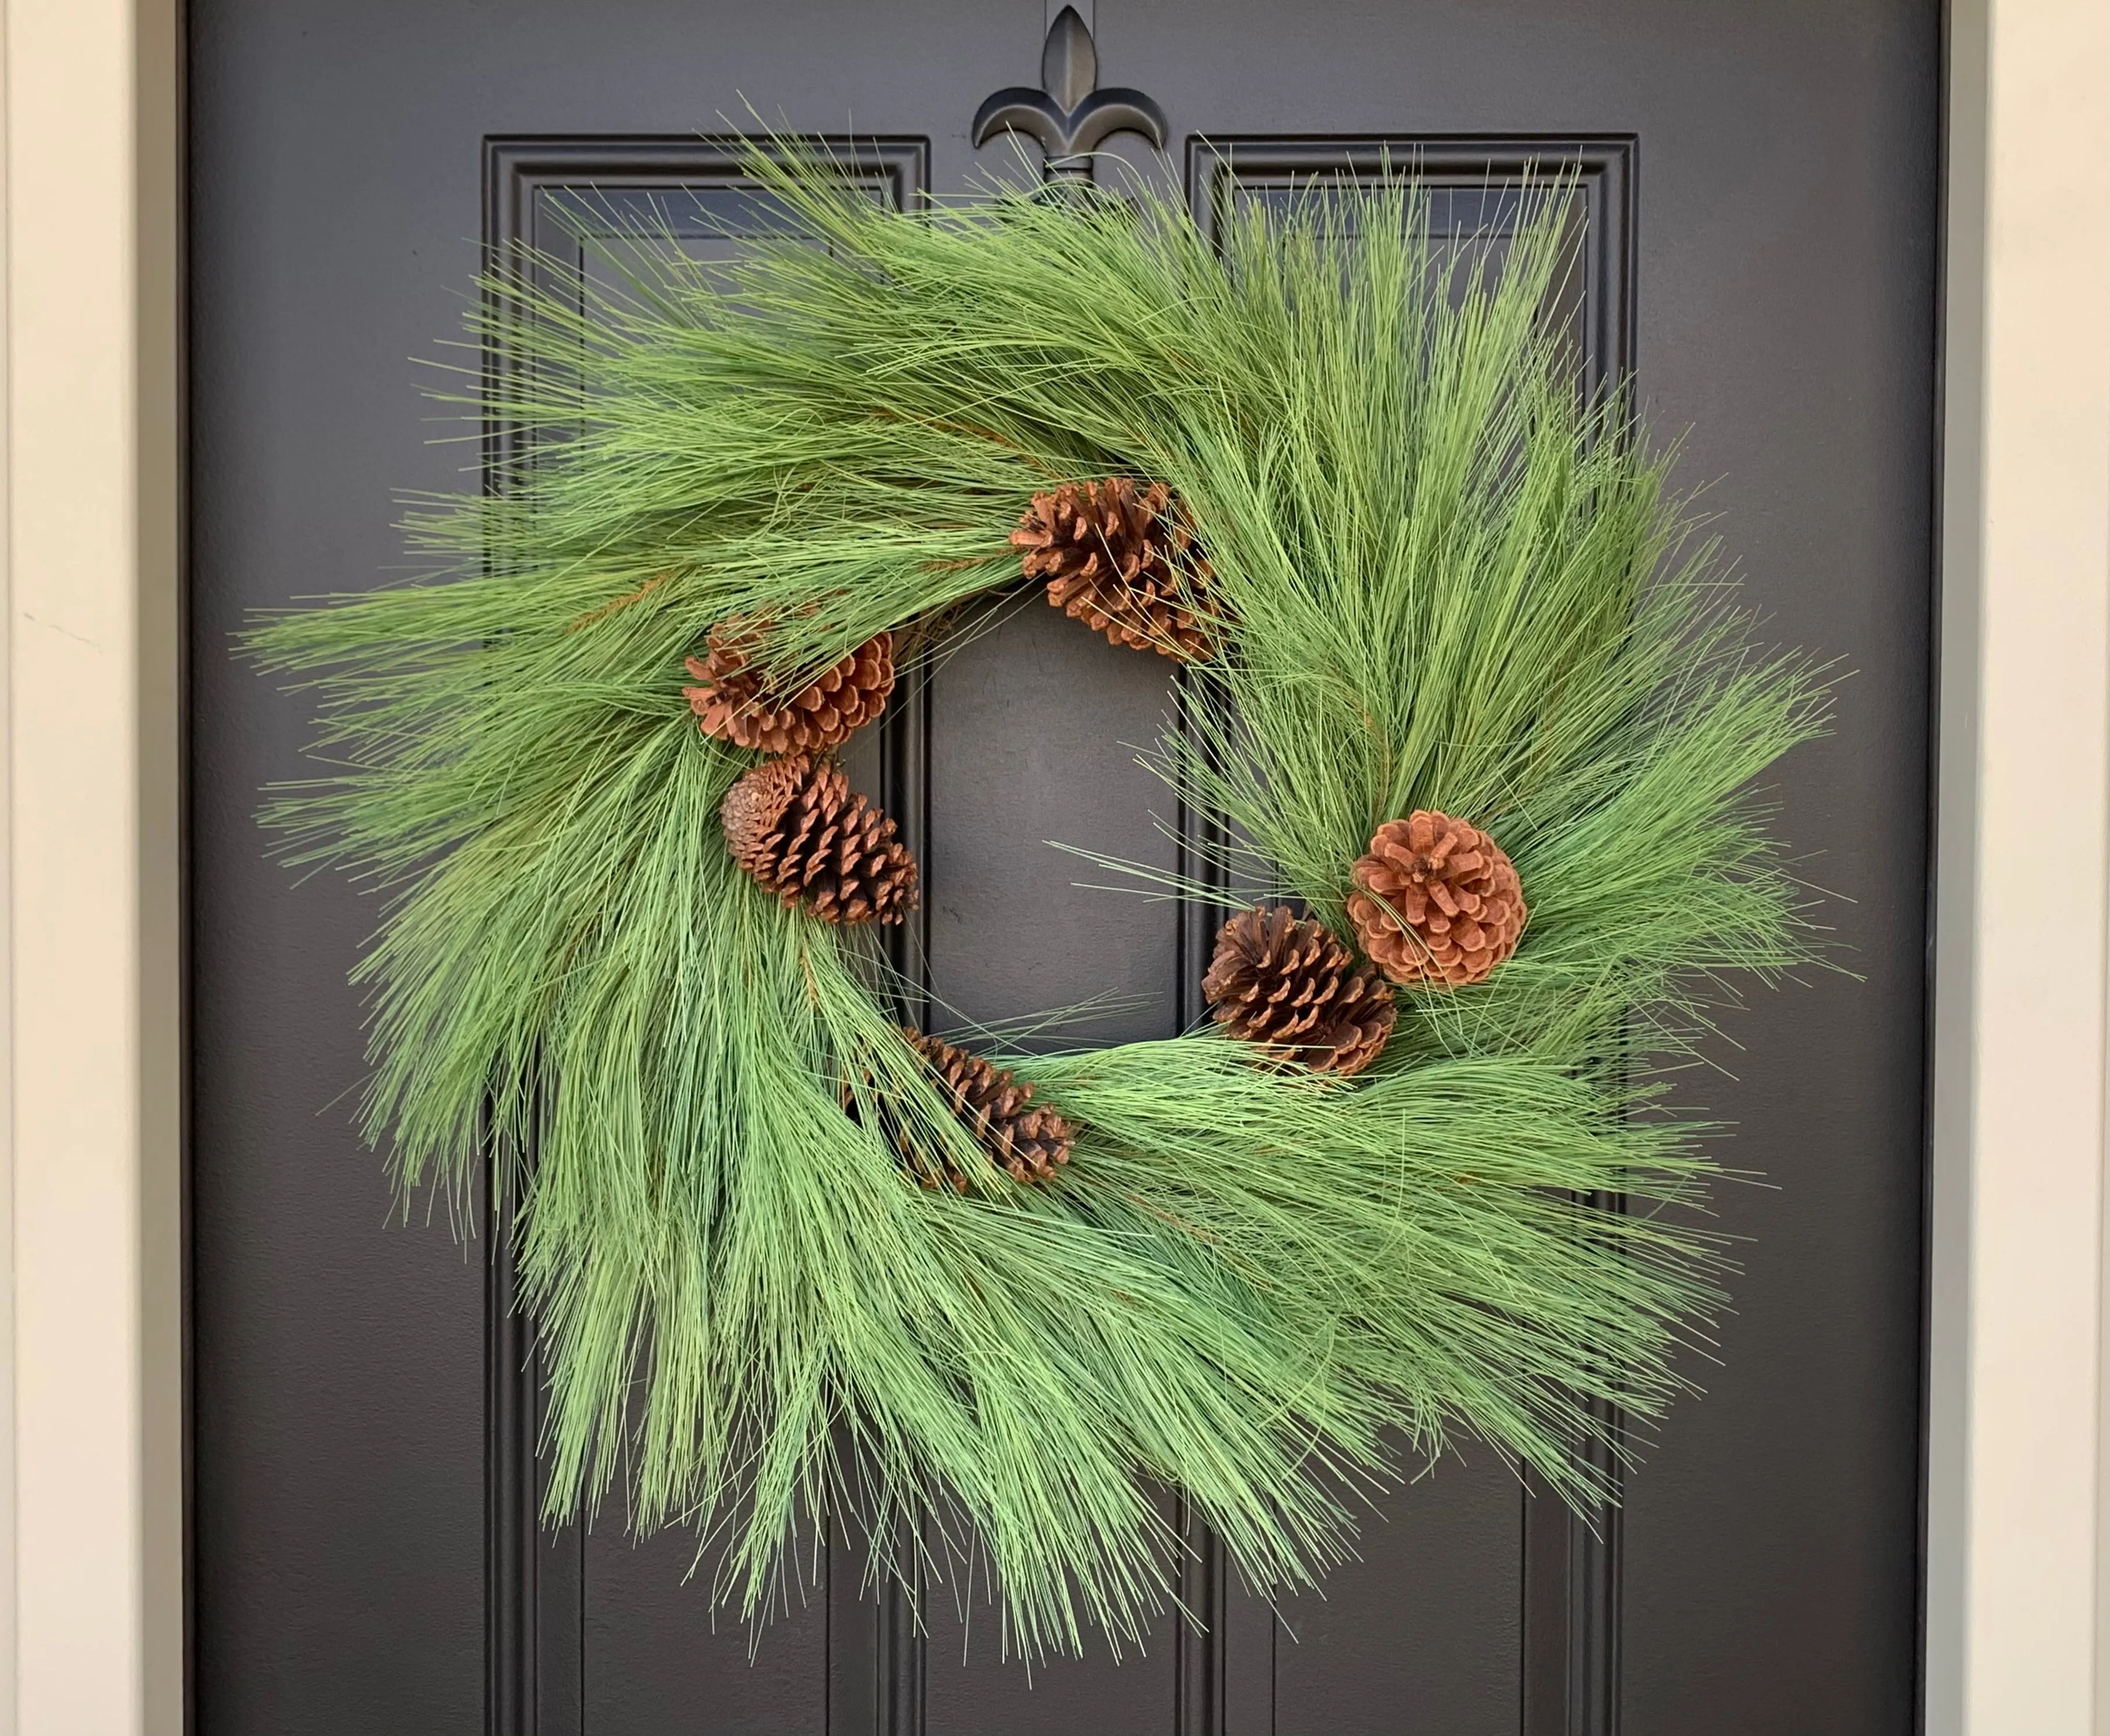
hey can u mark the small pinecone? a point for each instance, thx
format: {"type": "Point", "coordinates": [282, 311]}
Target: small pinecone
{"type": "Point", "coordinates": [735, 703]}
{"type": "Point", "coordinates": [800, 829]}
{"type": "Point", "coordinates": [1285, 984]}
{"type": "Point", "coordinates": [1030, 1142]}
{"type": "Point", "coordinates": [1438, 902]}
{"type": "Point", "coordinates": [1114, 557]}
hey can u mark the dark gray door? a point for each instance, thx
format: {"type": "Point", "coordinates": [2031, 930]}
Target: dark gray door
{"type": "Point", "coordinates": [1759, 184]}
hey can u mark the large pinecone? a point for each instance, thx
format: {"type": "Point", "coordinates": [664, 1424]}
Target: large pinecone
{"type": "Point", "coordinates": [1287, 984]}
{"type": "Point", "coordinates": [1116, 557]}
{"type": "Point", "coordinates": [736, 703]}
{"type": "Point", "coordinates": [1030, 1142]}
{"type": "Point", "coordinates": [1437, 902]}
{"type": "Point", "coordinates": [799, 828]}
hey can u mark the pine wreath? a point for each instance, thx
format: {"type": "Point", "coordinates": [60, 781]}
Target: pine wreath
{"type": "Point", "coordinates": [1411, 577]}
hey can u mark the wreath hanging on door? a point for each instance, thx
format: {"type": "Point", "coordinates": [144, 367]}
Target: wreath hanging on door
{"type": "Point", "coordinates": [1464, 700]}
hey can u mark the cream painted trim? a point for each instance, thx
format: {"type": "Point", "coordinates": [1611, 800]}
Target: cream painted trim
{"type": "Point", "coordinates": [2016, 1465]}
{"type": "Point", "coordinates": [90, 1567]}
{"type": "Point", "coordinates": [8, 1675]}
{"type": "Point", "coordinates": [94, 165]}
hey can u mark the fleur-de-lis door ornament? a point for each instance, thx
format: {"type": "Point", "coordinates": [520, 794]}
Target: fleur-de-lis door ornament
{"type": "Point", "coordinates": [1069, 117]}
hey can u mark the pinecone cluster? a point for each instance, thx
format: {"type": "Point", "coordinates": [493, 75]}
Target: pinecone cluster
{"type": "Point", "coordinates": [1285, 984]}
{"type": "Point", "coordinates": [1027, 1140]}
{"type": "Point", "coordinates": [799, 828]}
{"type": "Point", "coordinates": [794, 822]}
{"type": "Point", "coordinates": [1121, 558]}
{"type": "Point", "coordinates": [734, 702]}
{"type": "Point", "coordinates": [1437, 902]}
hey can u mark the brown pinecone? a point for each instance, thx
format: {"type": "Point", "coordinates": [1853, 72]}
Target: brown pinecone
{"type": "Point", "coordinates": [1285, 984]}
{"type": "Point", "coordinates": [1438, 903]}
{"type": "Point", "coordinates": [799, 828]}
{"type": "Point", "coordinates": [1031, 1142]}
{"type": "Point", "coordinates": [736, 704]}
{"type": "Point", "coordinates": [1116, 557]}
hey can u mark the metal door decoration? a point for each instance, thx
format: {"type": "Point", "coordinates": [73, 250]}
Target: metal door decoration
{"type": "Point", "coordinates": [879, 1660]}
{"type": "Point", "coordinates": [1069, 117]}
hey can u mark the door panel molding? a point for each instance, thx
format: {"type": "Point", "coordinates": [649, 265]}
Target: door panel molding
{"type": "Point", "coordinates": [536, 1583]}
{"type": "Point", "coordinates": [1604, 166]}
{"type": "Point", "coordinates": [536, 1665]}
{"type": "Point", "coordinates": [517, 168]}
{"type": "Point", "coordinates": [1572, 1562]}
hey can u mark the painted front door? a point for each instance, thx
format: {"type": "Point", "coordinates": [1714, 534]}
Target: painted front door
{"type": "Point", "coordinates": [1758, 185]}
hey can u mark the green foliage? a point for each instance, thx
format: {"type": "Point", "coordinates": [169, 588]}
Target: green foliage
{"type": "Point", "coordinates": [1443, 578]}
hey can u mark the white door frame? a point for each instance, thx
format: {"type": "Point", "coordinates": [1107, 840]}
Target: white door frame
{"type": "Point", "coordinates": [91, 1616]}
{"type": "Point", "coordinates": [2017, 1550]}
{"type": "Point", "coordinates": [91, 1572]}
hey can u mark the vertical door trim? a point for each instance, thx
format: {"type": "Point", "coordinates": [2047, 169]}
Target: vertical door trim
{"type": "Point", "coordinates": [2015, 1636]}
{"type": "Point", "coordinates": [91, 1334]}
